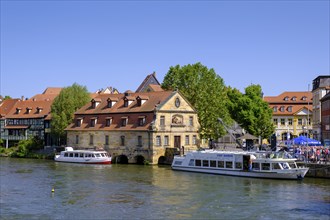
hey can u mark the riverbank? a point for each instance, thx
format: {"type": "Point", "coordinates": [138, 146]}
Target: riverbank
{"type": "Point", "coordinates": [316, 170]}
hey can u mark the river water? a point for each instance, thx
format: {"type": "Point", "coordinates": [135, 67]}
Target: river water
{"type": "Point", "coordinates": [150, 192]}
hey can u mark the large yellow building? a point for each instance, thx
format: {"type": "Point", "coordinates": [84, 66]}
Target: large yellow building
{"type": "Point", "coordinates": [292, 114]}
{"type": "Point", "coordinates": [136, 127]}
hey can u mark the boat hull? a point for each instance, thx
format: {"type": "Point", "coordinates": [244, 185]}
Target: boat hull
{"type": "Point", "coordinates": [298, 174]}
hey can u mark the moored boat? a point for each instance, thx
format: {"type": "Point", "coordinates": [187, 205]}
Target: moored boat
{"type": "Point", "coordinates": [83, 156]}
{"type": "Point", "coordinates": [245, 164]}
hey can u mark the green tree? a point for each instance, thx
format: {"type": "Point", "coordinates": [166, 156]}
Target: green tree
{"type": "Point", "coordinates": [251, 111]}
{"type": "Point", "coordinates": [65, 104]}
{"type": "Point", "coordinates": [206, 91]}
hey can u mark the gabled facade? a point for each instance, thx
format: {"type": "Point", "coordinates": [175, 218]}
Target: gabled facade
{"type": "Point", "coordinates": [292, 114]}
{"type": "Point", "coordinates": [150, 84]}
{"type": "Point", "coordinates": [136, 126]}
{"type": "Point", "coordinates": [321, 87]}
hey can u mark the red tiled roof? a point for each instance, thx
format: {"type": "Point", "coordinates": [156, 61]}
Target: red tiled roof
{"type": "Point", "coordinates": [7, 105]}
{"type": "Point", "coordinates": [290, 95]}
{"type": "Point", "coordinates": [33, 105]}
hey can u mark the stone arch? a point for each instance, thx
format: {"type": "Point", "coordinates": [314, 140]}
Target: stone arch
{"type": "Point", "coordinates": [162, 160]}
{"type": "Point", "coordinates": [139, 159]}
{"type": "Point", "coordinates": [122, 159]}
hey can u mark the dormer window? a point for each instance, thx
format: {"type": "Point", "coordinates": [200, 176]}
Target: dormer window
{"type": "Point", "coordinates": [304, 98]}
{"type": "Point", "coordinates": [289, 109]}
{"type": "Point", "coordinates": [108, 121]}
{"type": "Point", "coordinates": [128, 100]}
{"type": "Point", "coordinates": [286, 98]}
{"type": "Point", "coordinates": [142, 120]}
{"type": "Point", "coordinates": [18, 110]}
{"type": "Point", "coordinates": [275, 109]}
{"type": "Point", "coordinates": [141, 100]}
{"type": "Point", "coordinates": [294, 98]}
{"type": "Point", "coordinates": [124, 121]}
{"type": "Point", "coordinates": [95, 102]}
{"type": "Point", "coordinates": [282, 108]}
{"type": "Point", "coordinates": [39, 109]}
{"type": "Point", "coordinates": [93, 121]}
{"type": "Point", "coordinates": [111, 102]}
{"type": "Point", "coordinates": [78, 122]}
{"type": "Point", "coordinates": [28, 110]}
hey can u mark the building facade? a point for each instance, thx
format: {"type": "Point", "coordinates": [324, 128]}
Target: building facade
{"type": "Point", "coordinates": [292, 114]}
{"type": "Point", "coordinates": [141, 126]}
{"type": "Point", "coordinates": [325, 119]}
{"type": "Point", "coordinates": [321, 86]}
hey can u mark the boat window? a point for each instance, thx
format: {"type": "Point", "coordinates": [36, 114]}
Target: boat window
{"type": "Point", "coordinates": [88, 155]}
{"type": "Point", "coordinates": [93, 155]}
{"type": "Point", "coordinates": [191, 162]}
{"type": "Point", "coordinates": [97, 155]}
{"type": "Point", "coordinates": [81, 154]}
{"type": "Point", "coordinates": [76, 155]}
{"type": "Point", "coordinates": [276, 166]}
{"type": "Point", "coordinates": [238, 165]}
{"type": "Point", "coordinates": [178, 162]}
{"type": "Point", "coordinates": [66, 154]}
{"type": "Point", "coordinates": [285, 165]}
{"type": "Point", "coordinates": [198, 163]}
{"type": "Point", "coordinates": [213, 163]}
{"type": "Point", "coordinates": [221, 164]}
{"type": "Point", "coordinates": [293, 165]}
{"type": "Point", "coordinates": [71, 155]}
{"type": "Point", "coordinates": [229, 164]}
{"type": "Point", "coordinates": [265, 166]}
{"type": "Point", "coordinates": [205, 163]}
{"type": "Point", "coordinates": [255, 166]}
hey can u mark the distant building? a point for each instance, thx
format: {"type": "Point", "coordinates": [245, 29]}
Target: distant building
{"type": "Point", "coordinates": [150, 84]}
{"type": "Point", "coordinates": [135, 127]}
{"type": "Point", "coordinates": [292, 113]}
{"type": "Point", "coordinates": [325, 119]}
{"type": "Point", "coordinates": [21, 119]}
{"type": "Point", "coordinates": [321, 86]}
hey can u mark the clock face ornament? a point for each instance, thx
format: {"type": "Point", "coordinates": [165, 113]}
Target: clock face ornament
{"type": "Point", "coordinates": [177, 102]}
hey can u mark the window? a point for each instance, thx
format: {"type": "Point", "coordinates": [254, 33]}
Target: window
{"type": "Point", "coordinates": [106, 139]}
{"type": "Point", "coordinates": [194, 140]}
{"type": "Point", "coordinates": [213, 163]}
{"type": "Point", "coordinates": [187, 139]}
{"type": "Point", "coordinates": [275, 121]}
{"type": "Point", "coordinates": [198, 163]}
{"type": "Point", "coordinates": [282, 121]}
{"type": "Point", "coordinates": [78, 122]}
{"type": "Point", "coordinates": [142, 120]}
{"type": "Point", "coordinates": [286, 98]}
{"type": "Point", "coordinates": [108, 122]}
{"type": "Point", "coordinates": [166, 140]}
{"type": "Point", "coordinates": [162, 120]}
{"type": "Point", "coordinates": [289, 109]}
{"type": "Point", "coordinates": [255, 166]}
{"type": "Point", "coordinates": [191, 120]}
{"type": "Point", "coordinates": [93, 122]}
{"type": "Point", "coordinates": [205, 163]}
{"type": "Point", "coordinates": [125, 103]}
{"type": "Point", "coordinates": [294, 98]}
{"type": "Point", "coordinates": [275, 109]}
{"type": "Point", "coordinates": [158, 141]}
{"type": "Point", "coordinates": [265, 166]}
{"type": "Point", "coordinates": [122, 140]}
{"type": "Point", "coordinates": [91, 139]}
{"type": "Point", "coordinates": [77, 139]}
{"type": "Point", "coordinates": [299, 121]}
{"type": "Point", "coordinates": [290, 121]}
{"type": "Point", "coordinates": [229, 164]}
{"type": "Point", "coordinates": [304, 98]}
{"type": "Point", "coordinates": [238, 165]}
{"type": "Point", "coordinates": [221, 164]}
{"type": "Point", "coordinates": [124, 121]}
{"type": "Point", "coordinates": [282, 108]}
{"type": "Point", "coordinates": [140, 141]}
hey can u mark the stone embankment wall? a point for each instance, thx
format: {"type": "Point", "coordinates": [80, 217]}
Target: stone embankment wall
{"type": "Point", "coordinates": [317, 170]}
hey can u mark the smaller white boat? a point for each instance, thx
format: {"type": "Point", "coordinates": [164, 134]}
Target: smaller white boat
{"type": "Point", "coordinates": [245, 164]}
{"type": "Point", "coordinates": [83, 156]}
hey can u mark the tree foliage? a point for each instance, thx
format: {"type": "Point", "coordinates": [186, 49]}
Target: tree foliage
{"type": "Point", "coordinates": [251, 111]}
{"type": "Point", "coordinates": [65, 104]}
{"type": "Point", "coordinates": [206, 91]}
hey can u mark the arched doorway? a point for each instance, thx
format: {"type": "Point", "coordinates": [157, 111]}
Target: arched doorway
{"type": "Point", "coordinates": [162, 160]}
{"type": "Point", "coordinates": [121, 159]}
{"type": "Point", "coordinates": [139, 159]}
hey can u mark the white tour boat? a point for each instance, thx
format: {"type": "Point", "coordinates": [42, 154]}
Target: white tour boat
{"type": "Point", "coordinates": [83, 156]}
{"type": "Point", "coordinates": [245, 164]}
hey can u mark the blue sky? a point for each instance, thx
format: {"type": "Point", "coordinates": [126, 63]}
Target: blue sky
{"type": "Point", "coordinates": [281, 45]}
